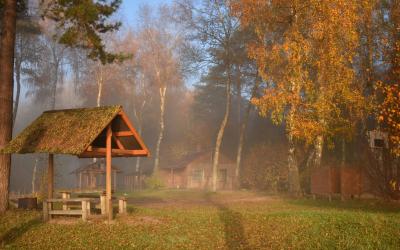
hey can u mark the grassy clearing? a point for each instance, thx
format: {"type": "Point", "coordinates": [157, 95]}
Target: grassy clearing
{"type": "Point", "coordinates": [233, 220]}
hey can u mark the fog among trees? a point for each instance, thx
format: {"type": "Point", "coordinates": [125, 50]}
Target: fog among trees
{"type": "Point", "coordinates": [279, 87]}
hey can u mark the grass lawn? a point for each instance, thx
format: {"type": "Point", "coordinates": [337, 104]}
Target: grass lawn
{"type": "Point", "coordinates": [170, 219]}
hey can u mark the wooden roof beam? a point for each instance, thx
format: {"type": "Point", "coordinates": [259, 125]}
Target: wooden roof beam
{"type": "Point", "coordinates": [118, 142]}
{"type": "Point", "coordinates": [123, 133]}
{"type": "Point", "coordinates": [102, 151]}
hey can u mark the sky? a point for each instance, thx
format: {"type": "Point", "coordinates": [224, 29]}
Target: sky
{"type": "Point", "coordinates": [129, 9]}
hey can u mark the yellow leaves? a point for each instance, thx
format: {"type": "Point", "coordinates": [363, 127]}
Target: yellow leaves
{"type": "Point", "coordinates": [389, 113]}
{"type": "Point", "coordinates": [309, 63]}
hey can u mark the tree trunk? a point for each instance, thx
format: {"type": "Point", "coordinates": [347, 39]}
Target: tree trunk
{"type": "Point", "coordinates": [137, 166]}
{"type": "Point", "coordinates": [100, 86]}
{"type": "Point", "coordinates": [99, 92]}
{"type": "Point", "coordinates": [343, 163]}
{"type": "Point", "coordinates": [56, 62]}
{"type": "Point", "coordinates": [221, 133]}
{"type": "Point", "coordinates": [239, 97]}
{"type": "Point", "coordinates": [7, 43]}
{"type": "Point", "coordinates": [17, 94]}
{"type": "Point", "coordinates": [319, 145]}
{"type": "Point", "coordinates": [242, 133]}
{"type": "Point", "coordinates": [54, 88]}
{"type": "Point", "coordinates": [163, 90]}
{"type": "Point", "coordinates": [293, 169]}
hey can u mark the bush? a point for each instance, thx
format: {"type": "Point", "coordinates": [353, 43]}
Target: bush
{"type": "Point", "coordinates": [154, 182]}
{"type": "Point", "coordinates": [265, 168]}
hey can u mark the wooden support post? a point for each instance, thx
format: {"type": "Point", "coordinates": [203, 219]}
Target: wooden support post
{"type": "Point", "coordinates": [122, 205]}
{"type": "Point", "coordinates": [50, 177]}
{"type": "Point", "coordinates": [103, 206]}
{"type": "Point", "coordinates": [84, 210]}
{"type": "Point", "coordinates": [65, 195]}
{"type": "Point", "coordinates": [45, 211]}
{"type": "Point", "coordinates": [108, 173]}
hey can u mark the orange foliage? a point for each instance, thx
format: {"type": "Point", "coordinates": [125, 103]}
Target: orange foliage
{"type": "Point", "coordinates": [305, 51]}
{"type": "Point", "coordinates": [389, 114]}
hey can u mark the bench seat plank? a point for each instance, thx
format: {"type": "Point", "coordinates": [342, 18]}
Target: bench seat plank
{"type": "Point", "coordinates": [66, 212]}
{"type": "Point", "coordinates": [69, 200]}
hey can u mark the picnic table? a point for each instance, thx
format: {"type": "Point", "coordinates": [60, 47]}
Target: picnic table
{"type": "Point", "coordinates": [84, 207]}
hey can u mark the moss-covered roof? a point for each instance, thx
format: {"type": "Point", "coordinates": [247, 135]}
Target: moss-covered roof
{"type": "Point", "coordinates": [68, 131]}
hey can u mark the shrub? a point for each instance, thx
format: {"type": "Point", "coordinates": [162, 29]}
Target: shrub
{"type": "Point", "coordinates": [265, 168]}
{"type": "Point", "coordinates": [154, 182]}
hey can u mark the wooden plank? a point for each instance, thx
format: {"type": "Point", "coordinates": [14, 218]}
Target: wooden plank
{"type": "Point", "coordinates": [66, 212]}
{"type": "Point", "coordinates": [69, 200]}
{"type": "Point", "coordinates": [118, 142]}
{"type": "Point", "coordinates": [123, 133]}
{"type": "Point", "coordinates": [50, 177]}
{"type": "Point", "coordinates": [122, 151]}
{"type": "Point", "coordinates": [135, 152]}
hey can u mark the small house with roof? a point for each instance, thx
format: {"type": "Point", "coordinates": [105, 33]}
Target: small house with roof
{"type": "Point", "coordinates": [195, 171]}
{"type": "Point", "coordinates": [92, 176]}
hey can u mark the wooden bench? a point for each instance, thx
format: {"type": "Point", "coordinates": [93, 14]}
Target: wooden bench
{"type": "Point", "coordinates": [48, 210]}
{"type": "Point", "coordinates": [121, 204]}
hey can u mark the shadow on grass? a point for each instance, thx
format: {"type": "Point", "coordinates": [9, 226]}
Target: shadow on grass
{"type": "Point", "coordinates": [14, 233]}
{"type": "Point", "coordinates": [371, 206]}
{"type": "Point", "coordinates": [233, 225]}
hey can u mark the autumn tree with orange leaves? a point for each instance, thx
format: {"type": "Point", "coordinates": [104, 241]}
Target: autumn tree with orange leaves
{"type": "Point", "coordinates": [305, 51]}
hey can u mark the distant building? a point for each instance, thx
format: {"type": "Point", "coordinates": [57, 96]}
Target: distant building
{"type": "Point", "coordinates": [195, 171]}
{"type": "Point", "coordinates": [344, 181]}
{"type": "Point", "coordinates": [136, 180]}
{"type": "Point", "coordinates": [92, 176]}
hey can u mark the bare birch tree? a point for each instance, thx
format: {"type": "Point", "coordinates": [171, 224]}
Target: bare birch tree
{"type": "Point", "coordinates": [212, 27]}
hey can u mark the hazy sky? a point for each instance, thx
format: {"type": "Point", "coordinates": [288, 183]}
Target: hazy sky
{"type": "Point", "coordinates": [130, 8]}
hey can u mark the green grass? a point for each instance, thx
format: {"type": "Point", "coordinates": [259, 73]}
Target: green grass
{"type": "Point", "coordinates": [169, 219]}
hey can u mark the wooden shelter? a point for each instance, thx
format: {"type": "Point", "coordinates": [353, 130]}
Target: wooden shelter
{"type": "Point", "coordinates": [102, 132]}
{"type": "Point", "coordinates": [91, 176]}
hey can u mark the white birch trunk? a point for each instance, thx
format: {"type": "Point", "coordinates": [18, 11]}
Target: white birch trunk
{"type": "Point", "coordinates": [221, 134]}
{"type": "Point", "coordinates": [99, 86]}
{"type": "Point", "coordinates": [161, 134]}
{"type": "Point", "coordinates": [293, 169]}
{"type": "Point", "coordinates": [99, 90]}
{"type": "Point", "coordinates": [293, 175]}
{"type": "Point", "coordinates": [319, 144]}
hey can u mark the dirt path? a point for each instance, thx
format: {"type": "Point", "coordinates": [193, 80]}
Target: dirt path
{"type": "Point", "coordinates": [205, 199]}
